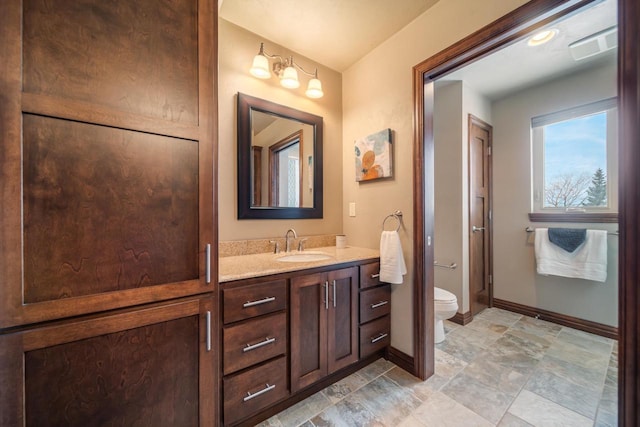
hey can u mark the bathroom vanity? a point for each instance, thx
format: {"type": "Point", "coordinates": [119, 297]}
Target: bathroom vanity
{"type": "Point", "coordinates": [289, 329]}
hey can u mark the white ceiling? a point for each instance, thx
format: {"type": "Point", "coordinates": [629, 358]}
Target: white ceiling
{"type": "Point", "coordinates": [519, 65]}
{"type": "Point", "coordinates": [334, 33]}
{"type": "Point", "coordinates": [337, 33]}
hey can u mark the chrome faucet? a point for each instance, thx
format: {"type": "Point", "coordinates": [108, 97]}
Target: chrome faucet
{"type": "Point", "coordinates": [287, 238]}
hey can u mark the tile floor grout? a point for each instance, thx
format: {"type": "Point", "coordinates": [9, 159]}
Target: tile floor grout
{"type": "Point", "coordinates": [502, 369]}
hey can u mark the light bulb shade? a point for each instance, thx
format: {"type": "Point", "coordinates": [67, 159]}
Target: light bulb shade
{"type": "Point", "coordinates": [314, 89]}
{"type": "Point", "coordinates": [290, 78]}
{"type": "Point", "coordinates": [260, 67]}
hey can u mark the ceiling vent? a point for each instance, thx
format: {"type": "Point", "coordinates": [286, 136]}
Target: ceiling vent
{"type": "Point", "coordinates": [594, 44]}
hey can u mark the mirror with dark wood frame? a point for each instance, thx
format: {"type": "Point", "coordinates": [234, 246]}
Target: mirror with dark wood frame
{"type": "Point", "coordinates": [279, 161]}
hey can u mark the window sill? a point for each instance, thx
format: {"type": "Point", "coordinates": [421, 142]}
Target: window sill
{"type": "Point", "coordinates": [605, 217]}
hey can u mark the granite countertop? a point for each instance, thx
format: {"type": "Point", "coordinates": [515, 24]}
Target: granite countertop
{"type": "Point", "coordinates": [257, 265]}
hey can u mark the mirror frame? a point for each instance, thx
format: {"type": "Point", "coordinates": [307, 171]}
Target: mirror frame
{"type": "Point", "coordinates": [247, 104]}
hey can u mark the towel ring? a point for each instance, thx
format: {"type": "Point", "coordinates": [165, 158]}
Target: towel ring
{"type": "Point", "coordinates": [397, 215]}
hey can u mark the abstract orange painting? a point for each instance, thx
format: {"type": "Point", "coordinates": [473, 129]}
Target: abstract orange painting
{"type": "Point", "coordinates": [374, 156]}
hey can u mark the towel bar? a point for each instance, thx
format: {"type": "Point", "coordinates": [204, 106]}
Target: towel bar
{"type": "Point", "coordinates": [397, 215]}
{"type": "Point", "coordinates": [451, 266]}
{"type": "Point", "coordinates": [532, 230]}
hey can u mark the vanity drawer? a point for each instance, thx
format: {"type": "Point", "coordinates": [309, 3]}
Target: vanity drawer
{"type": "Point", "coordinates": [375, 303]}
{"type": "Point", "coordinates": [375, 335]}
{"type": "Point", "coordinates": [253, 300]}
{"type": "Point", "coordinates": [253, 342]}
{"type": "Point", "coordinates": [251, 391]}
{"type": "Point", "coordinates": [369, 275]}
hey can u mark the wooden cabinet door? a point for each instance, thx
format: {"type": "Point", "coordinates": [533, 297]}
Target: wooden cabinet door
{"type": "Point", "coordinates": [149, 367]}
{"type": "Point", "coordinates": [342, 331]}
{"type": "Point", "coordinates": [309, 306]}
{"type": "Point", "coordinates": [107, 153]}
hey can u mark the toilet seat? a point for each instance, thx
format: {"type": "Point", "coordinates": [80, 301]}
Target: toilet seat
{"type": "Point", "coordinates": [443, 296]}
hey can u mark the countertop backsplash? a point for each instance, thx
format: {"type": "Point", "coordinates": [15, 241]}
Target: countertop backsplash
{"type": "Point", "coordinates": [260, 246]}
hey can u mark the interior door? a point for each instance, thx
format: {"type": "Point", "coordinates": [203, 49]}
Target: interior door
{"type": "Point", "coordinates": [479, 214]}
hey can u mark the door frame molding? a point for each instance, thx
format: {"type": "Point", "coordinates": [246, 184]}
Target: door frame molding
{"type": "Point", "coordinates": [471, 120]}
{"type": "Point", "coordinates": [511, 27]}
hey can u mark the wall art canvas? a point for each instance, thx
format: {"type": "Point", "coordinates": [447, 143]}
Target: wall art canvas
{"type": "Point", "coordinates": [374, 156]}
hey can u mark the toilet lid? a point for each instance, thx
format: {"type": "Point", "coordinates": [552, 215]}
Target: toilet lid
{"type": "Point", "coordinates": [442, 295]}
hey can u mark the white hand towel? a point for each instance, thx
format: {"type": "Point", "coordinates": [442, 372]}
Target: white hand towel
{"type": "Point", "coordinates": [588, 261]}
{"type": "Point", "coordinates": [392, 266]}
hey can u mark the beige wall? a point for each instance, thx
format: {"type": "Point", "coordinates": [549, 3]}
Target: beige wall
{"type": "Point", "coordinates": [454, 101]}
{"type": "Point", "coordinates": [377, 93]}
{"type": "Point", "coordinates": [515, 278]}
{"type": "Point", "coordinates": [447, 130]}
{"type": "Point", "coordinates": [237, 47]}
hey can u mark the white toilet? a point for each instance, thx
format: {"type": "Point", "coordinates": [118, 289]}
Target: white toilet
{"type": "Point", "coordinates": [445, 307]}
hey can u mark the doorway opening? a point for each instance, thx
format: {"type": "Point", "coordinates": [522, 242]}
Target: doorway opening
{"type": "Point", "coordinates": [515, 26]}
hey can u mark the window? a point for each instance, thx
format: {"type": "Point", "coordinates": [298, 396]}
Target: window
{"type": "Point", "coordinates": [575, 159]}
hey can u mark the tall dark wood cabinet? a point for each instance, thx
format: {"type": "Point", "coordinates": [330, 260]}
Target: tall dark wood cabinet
{"type": "Point", "coordinates": [108, 244]}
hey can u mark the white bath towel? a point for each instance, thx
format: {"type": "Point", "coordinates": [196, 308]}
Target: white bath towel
{"type": "Point", "coordinates": [392, 266]}
{"type": "Point", "coordinates": [588, 261]}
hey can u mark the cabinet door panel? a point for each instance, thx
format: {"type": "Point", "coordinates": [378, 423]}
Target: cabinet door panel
{"type": "Point", "coordinates": [343, 318]}
{"type": "Point", "coordinates": [147, 367]}
{"type": "Point", "coordinates": [140, 57]}
{"type": "Point", "coordinates": [308, 330]}
{"type": "Point", "coordinates": [108, 149]}
{"type": "Point", "coordinates": [106, 209]}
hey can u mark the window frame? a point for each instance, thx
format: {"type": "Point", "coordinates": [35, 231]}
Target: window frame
{"type": "Point", "coordinates": [579, 214]}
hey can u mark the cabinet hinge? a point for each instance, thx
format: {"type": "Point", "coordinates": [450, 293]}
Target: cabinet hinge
{"type": "Point", "coordinates": [489, 151]}
{"type": "Point", "coordinates": [490, 279]}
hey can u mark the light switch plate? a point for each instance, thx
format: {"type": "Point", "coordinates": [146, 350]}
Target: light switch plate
{"type": "Point", "coordinates": [352, 209]}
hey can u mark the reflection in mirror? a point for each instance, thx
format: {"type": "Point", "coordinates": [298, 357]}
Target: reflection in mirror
{"type": "Point", "coordinates": [280, 144]}
{"type": "Point", "coordinates": [279, 161]}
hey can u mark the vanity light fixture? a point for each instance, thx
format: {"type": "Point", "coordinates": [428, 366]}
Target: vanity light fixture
{"type": "Point", "coordinates": [287, 70]}
{"type": "Point", "coordinates": [541, 37]}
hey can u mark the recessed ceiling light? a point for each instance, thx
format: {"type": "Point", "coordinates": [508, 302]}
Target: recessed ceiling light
{"type": "Point", "coordinates": [542, 37]}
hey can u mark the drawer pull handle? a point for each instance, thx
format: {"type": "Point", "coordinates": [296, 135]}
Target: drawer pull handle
{"type": "Point", "coordinates": [258, 302]}
{"type": "Point", "coordinates": [380, 304]}
{"type": "Point", "coordinates": [375, 276]}
{"type": "Point", "coordinates": [258, 393]}
{"type": "Point", "coordinates": [250, 347]}
{"type": "Point", "coordinates": [378, 338]}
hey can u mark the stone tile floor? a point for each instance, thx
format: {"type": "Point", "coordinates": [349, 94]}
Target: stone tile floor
{"type": "Point", "coordinates": [502, 369]}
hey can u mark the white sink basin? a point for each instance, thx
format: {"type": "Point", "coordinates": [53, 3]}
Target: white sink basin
{"type": "Point", "coordinates": [307, 256]}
